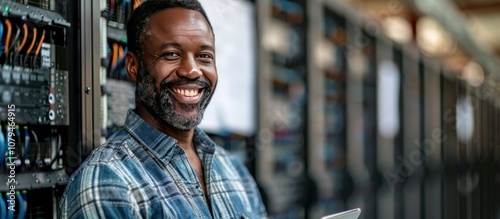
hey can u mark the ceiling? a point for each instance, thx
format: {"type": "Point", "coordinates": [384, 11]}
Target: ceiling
{"type": "Point", "coordinates": [482, 19]}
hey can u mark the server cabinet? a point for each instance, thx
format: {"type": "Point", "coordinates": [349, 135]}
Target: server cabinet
{"type": "Point", "coordinates": [46, 112]}
{"type": "Point", "coordinates": [389, 128]}
{"type": "Point", "coordinates": [282, 155]}
{"type": "Point", "coordinates": [431, 144]}
{"type": "Point", "coordinates": [328, 105]}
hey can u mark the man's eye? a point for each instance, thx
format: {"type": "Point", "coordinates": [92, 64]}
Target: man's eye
{"type": "Point", "coordinates": [170, 55]}
{"type": "Point", "coordinates": [205, 56]}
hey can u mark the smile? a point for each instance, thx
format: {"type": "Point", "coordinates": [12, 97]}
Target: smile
{"type": "Point", "coordinates": [187, 92]}
{"type": "Point", "coordinates": [188, 95]}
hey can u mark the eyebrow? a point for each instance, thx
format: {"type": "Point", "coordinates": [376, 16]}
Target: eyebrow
{"type": "Point", "coordinates": [172, 44]}
{"type": "Point", "coordinates": [207, 47]}
{"type": "Point", "coordinates": [178, 45]}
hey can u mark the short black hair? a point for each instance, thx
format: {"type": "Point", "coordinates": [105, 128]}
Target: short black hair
{"type": "Point", "coordinates": [140, 18]}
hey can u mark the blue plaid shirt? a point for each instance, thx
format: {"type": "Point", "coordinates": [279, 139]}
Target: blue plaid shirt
{"type": "Point", "coordinates": [142, 173]}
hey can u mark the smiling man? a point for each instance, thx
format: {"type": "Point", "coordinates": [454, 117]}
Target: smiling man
{"type": "Point", "coordinates": [161, 165]}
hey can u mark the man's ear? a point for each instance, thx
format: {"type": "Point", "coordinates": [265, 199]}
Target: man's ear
{"type": "Point", "coordinates": [132, 66]}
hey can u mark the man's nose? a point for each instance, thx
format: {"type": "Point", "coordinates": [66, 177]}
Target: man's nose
{"type": "Point", "coordinates": [188, 68]}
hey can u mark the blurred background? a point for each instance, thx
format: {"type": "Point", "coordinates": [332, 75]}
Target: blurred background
{"type": "Point", "coordinates": [390, 106]}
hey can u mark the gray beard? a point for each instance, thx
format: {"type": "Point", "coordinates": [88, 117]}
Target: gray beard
{"type": "Point", "coordinates": [161, 104]}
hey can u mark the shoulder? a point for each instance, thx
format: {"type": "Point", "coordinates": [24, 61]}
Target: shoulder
{"type": "Point", "coordinates": [107, 163]}
{"type": "Point", "coordinates": [109, 152]}
{"type": "Point", "coordinates": [106, 157]}
{"type": "Point", "coordinates": [98, 190]}
{"type": "Point", "coordinates": [89, 186]}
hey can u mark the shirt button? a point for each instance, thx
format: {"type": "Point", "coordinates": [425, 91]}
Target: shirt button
{"type": "Point", "coordinates": [176, 150]}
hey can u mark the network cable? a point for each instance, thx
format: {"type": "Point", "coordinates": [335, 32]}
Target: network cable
{"type": "Point", "coordinates": [25, 37]}
{"type": "Point", "coordinates": [14, 41]}
{"type": "Point", "coordinates": [119, 56]}
{"type": "Point", "coordinates": [109, 56]}
{"type": "Point", "coordinates": [38, 48]}
{"type": "Point", "coordinates": [7, 37]}
{"type": "Point", "coordinates": [25, 198]}
{"type": "Point", "coordinates": [18, 133]}
{"type": "Point", "coordinates": [37, 153]}
{"type": "Point", "coordinates": [10, 214]}
{"type": "Point", "coordinates": [56, 155]}
{"type": "Point", "coordinates": [23, 42]}
{"type": "Point", "coordinates": [22, 206]}
{"type": "Point", "coordinates": [26, 146]}
{"type": "Point", "coordinates": [115, 55]}
{"type": "Point", "coordinates": [33, 41]}
{"type": "Point", "coordinates": [120, 63]}
{"type": "Point", "coordinates": [136, 3]}
{"type": "Point", "coordinates": [3, 207]}
{"type": "Point", "coordinates": [2, 45]}
{"type": "Point", "coordinates": [120, 51]}
{"type": "Point", "coordinates": [3, 148]}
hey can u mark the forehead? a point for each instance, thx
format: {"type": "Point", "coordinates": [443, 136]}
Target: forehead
{"type": "Point", "coordinates": [178, 22]}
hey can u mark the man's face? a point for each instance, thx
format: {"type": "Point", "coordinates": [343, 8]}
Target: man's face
{"type": "Point", "coordinates": [177, 74]}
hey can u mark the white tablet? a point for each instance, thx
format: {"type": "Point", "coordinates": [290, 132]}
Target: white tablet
{"type": "Point", "coordinates": [350, 214]}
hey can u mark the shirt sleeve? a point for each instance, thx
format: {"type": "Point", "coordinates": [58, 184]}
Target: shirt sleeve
{"type": "Point", "coordinates": [97, 191]}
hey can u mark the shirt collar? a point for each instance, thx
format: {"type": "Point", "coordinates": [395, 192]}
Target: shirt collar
{"type": "Point", "coordinates": [162, 145]}
{"type": "Point", "coordinates": [203, 142]}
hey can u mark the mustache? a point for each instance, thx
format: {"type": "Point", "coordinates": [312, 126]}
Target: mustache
{"type": "Point", "coordinates": [185, 81]}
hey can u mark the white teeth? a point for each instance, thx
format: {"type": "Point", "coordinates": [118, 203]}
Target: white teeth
{"type": "Point", "coordinates": [188, 93]}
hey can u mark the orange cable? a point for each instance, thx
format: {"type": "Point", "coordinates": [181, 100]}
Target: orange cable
{"type": "Point", "coordinates": [115, 55]}
{"type": "Point", "coordinates": [40, 43]}
{"type": "Point", "coordinates": [120, 51]}
{"type": "Point", "coordinates": [25, 29]}
{"type": "Point", "coordinates": [7, 37]}
{"type": "Point", "coordinates": [32, 42]}
{"type": "Point", "coordinates": [136, 3]}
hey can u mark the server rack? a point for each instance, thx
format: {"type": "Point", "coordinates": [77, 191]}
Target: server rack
{"type": "Point", "coordinates": [328, 115]}
{"type": "Point", "coordinates": [43, 94]}
{"type": "Point", "coordinates": [389, 142]}
{"type": "Point", "coordinates": [430, 141]}
{"type": "Point", "coordinates": [282, 155]}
